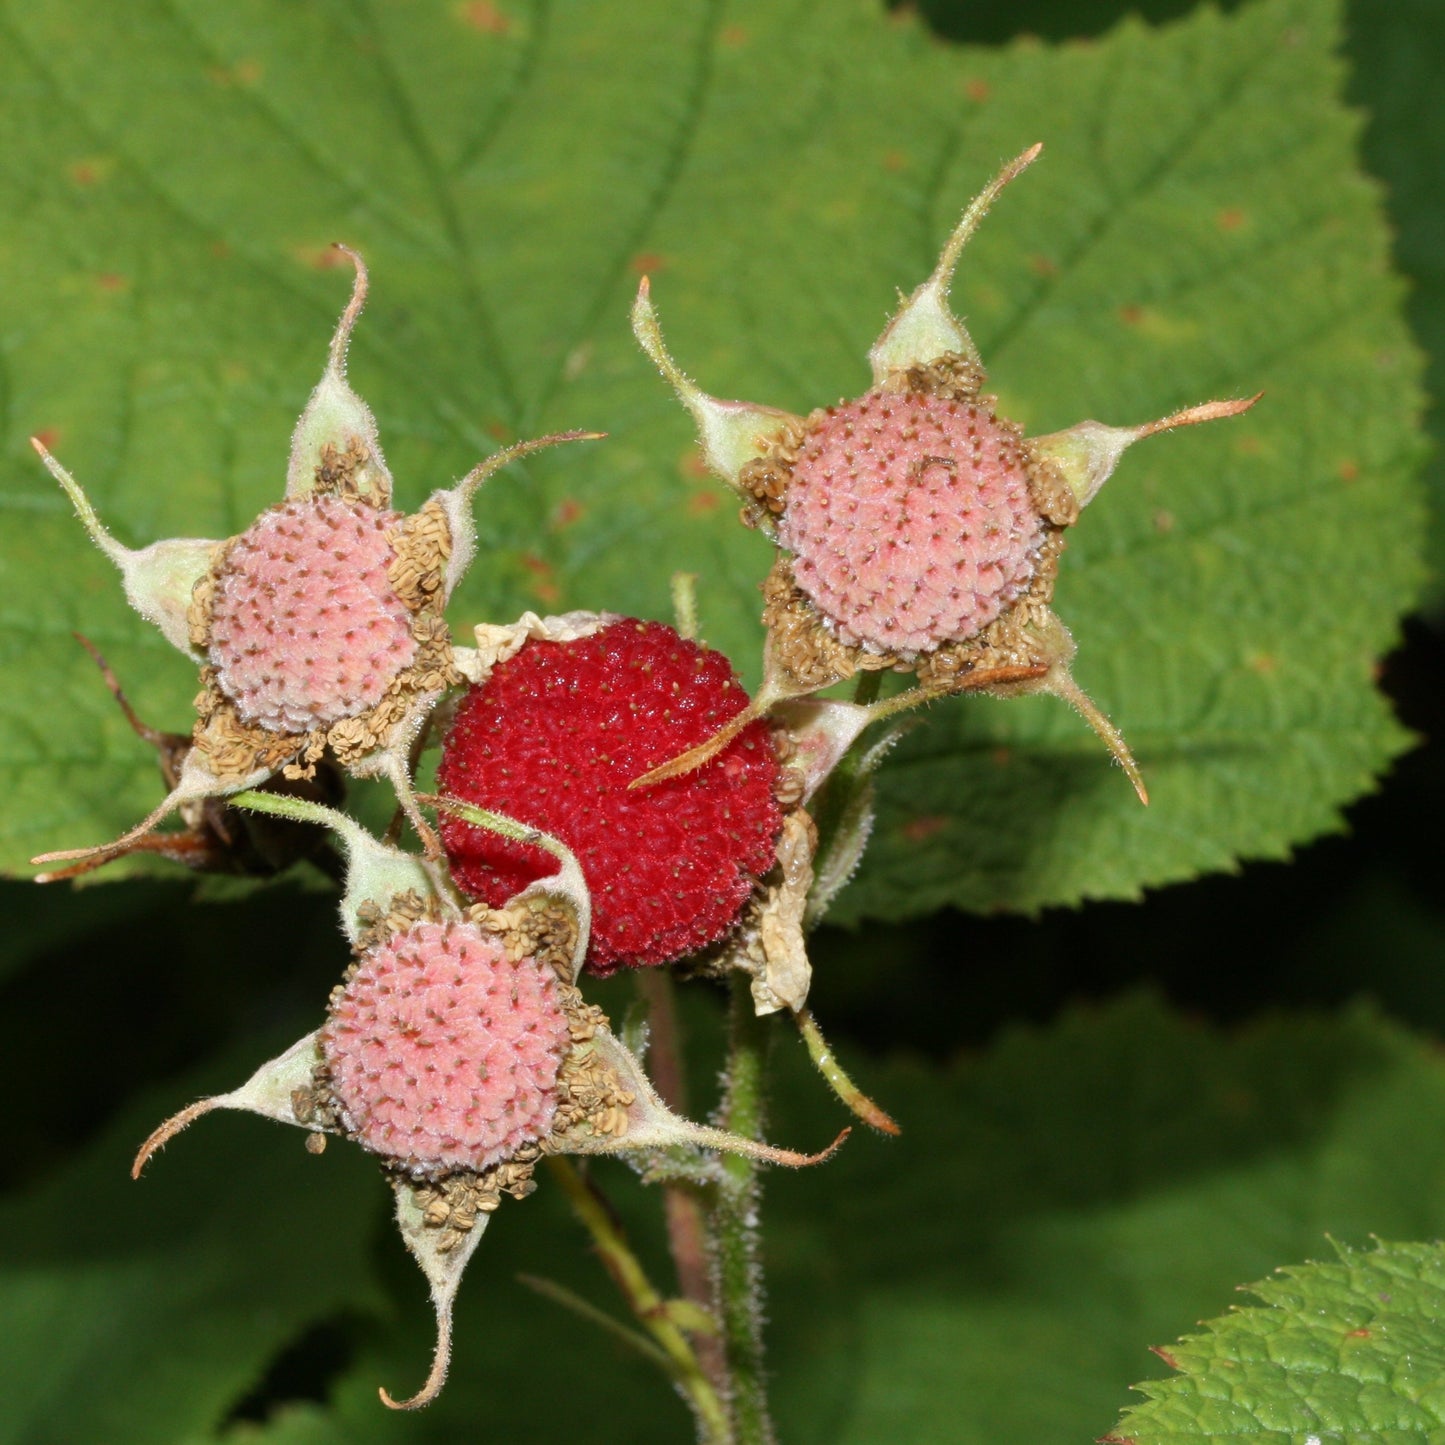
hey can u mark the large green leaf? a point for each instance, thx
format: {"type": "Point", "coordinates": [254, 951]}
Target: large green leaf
{"type": "Point", "coordinates": [1351, 1350]}
{"type": "Point", "coordinates": [170, 175]}
{"type": "Point", "coordinates": [995, 1274]}
{"type": "Point", "coordinates": [1397, 50]}
{"type": "Point", "coordinates": [144, 1311]}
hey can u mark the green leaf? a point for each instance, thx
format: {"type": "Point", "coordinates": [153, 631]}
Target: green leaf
{"type": "Point", "coordinates": [170, 177]}
{"type": "Point", "coordinates": [1398, 48]}
{"type": "Point", "coordinates": [1352, 1350]}
{"type": "Point", "coordinates": [1074, 1195]}
{"type": "Point", "coordinates": [145, 1310]}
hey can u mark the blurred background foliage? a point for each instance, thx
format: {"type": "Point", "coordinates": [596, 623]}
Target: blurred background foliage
{"type": "Point", "coordinates": [1113, 1114]}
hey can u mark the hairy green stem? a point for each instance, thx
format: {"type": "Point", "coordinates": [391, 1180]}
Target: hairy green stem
{"type": "Point", "coordinates": [737, 1259]}
{"type": "Point", "coordinates": [647, 1305]}
{"type": "Point", "coordinates": [687, 1232]}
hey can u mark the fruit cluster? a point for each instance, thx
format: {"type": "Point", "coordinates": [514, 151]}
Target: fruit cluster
{"type": "Point", "coordinates": [610, 797]}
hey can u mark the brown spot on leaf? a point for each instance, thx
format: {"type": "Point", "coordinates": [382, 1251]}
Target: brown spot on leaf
{"type": "Point", "coordinates": [648, 263]}
{"type": "Point", "coordinates": [732, 36]}
{"type": "Point", "coordinates": [500, 431]}
{"type": "Point", "coordinates": [1131, 315]}
{"type": "Point", "coordinates": [111, 281]}
{"type": "Point", "coordinates": [569, 510]}
{"type": "Point", "coordinates": [86, 172]}
{"type": "Point", "coordinates": [978, 91]}
{"type": "Point", "coordinates": [1163, 522]}
{"type": "Point", "coordinates": [692, 465]}
{"type": "Point", "coordinates": [543, 585]}
{"type": "Point", "coordinates": [923, 827]}
{"type": "Point", "coordinates": [1264, 663]}
{"type": "Point", "coordinates": [1043, 266]}
{"type": "Point", "coordinates": [49, 438]}
{"type": "Point", "coordinates": [483, 16]}
{"type": "Point", "coordinates": [242, 73]}
{"type": "Point", "coordinates": [320, 257]}
{"type": "Point", "coordinates": [1349, 471]}
{"type": "Point", "coordinates": [1360, 1334]}
{"type": "Point", "coordinates": [895, 161]}
{"type": "Point", "coordinates": [1230, 219]}
{"type": "Point", "coordinates": [1166, 1356]}
{"type": "Point", "coordinates": [703, 504]}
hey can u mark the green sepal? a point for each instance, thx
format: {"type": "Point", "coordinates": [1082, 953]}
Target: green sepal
{"type": "Point", "coordinates": [456, 501]}
{"type": "Point", "coordinates": [566, 886]}
{"type": "Point", "coordinates": [925, 328]}
{"type": "Point", "coordinates": [821, 732]}
{"type": "Point", "coordinates": [335, 416]}
{"type": "Point", "coordinates": [270, 1092]}
{"type": "Point", "coordinates": [653, 1128]}
{"type": "Point", "coordinates": [443, 1269]}
{"type": "Point", "coordinates": [195, 784]}
{"type": "Point", "coordinates": [732, 433]}
{"type": "Point", "coordinates": [158, 579]}
{"type": "Point", "coordinates": [376, 872]}
{"type": "Point", "coordinates": [1087, 453]}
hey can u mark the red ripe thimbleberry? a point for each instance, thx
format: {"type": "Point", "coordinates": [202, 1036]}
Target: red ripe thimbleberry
{"type": "Point", "coordinates": [555, 736]}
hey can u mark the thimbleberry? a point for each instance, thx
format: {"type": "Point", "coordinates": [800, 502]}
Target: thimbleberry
{"type": "Point", "coordinates": [320, 629]}
{"type": "Point", "coordinates": [910, 520]}
{"type": "Point", "coordinates": [305, 626]}
{"type": "Point", "coordinates": [459, 1051]}
{"type": "Point", "coordinates": [442, 1051]}
{"type": "Point", "coordinates": [555, 736]}
{"type": "Point", "coordinates": [918, 530]}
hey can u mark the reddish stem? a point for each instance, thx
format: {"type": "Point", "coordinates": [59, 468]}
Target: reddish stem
{"type": "Point", "coordinates": [686, 1221]}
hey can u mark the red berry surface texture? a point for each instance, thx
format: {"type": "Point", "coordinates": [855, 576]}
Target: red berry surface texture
{"type": "Point", "coordinates": [443, 1052]}
{"type": "Point", "coordinates": [555, 736]}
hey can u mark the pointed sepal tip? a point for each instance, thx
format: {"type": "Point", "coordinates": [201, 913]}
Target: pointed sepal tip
{"type": "Point", "coordinates": [336, 427]}
{"type": "Point", "coordinates": [1087, 453]}
{"type": "Point", "coordinates": [732, 433]}
{"type": "Point", "coordinates": [924, 327]}
{"type": "Point", "coordinates": [158, 579]}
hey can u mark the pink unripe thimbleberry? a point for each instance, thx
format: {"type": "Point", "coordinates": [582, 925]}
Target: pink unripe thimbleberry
{"type": "Point", "coordinates": [918, 530]}
{"type": "Point", "coordinates": [442, 1052]}
{"type": "Point", "coordinates": [554, 738]}
{"type": "Point", "coordinates": [306, 627]}
{"type": "Point", "coordinates": [321, 628]}
{"type": "Point", "coordinates": [910, 519]}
